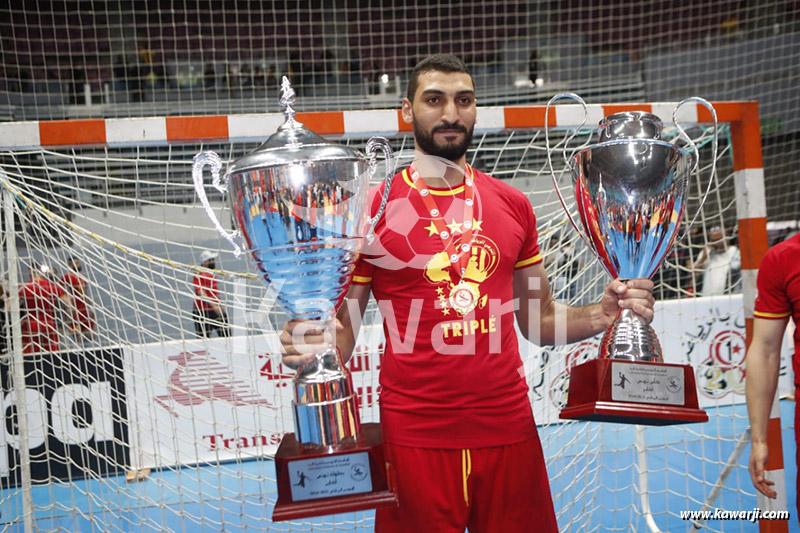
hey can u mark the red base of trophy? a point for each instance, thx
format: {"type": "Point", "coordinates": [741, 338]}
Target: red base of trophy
{"type": "Point", "coordinates": [633, 392]}
{"type": "Point", "coordinates": [353, 477]}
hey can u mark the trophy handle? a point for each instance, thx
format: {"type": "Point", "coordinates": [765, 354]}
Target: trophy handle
{"type": "Point", "coordinates": [696, 154]}
{"type": "Point", "coordinates": [575, 97]}
{"type": "Point", "coordinates": [213, 160]}
{"type": "Point", "coordinates": [375, 145]}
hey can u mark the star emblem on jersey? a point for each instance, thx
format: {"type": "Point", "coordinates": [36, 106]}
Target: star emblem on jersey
{"type": "Point", "coordinates": [455, 227]}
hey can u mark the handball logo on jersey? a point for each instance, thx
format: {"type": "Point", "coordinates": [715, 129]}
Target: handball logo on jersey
{"type": "Point", "coordinates": [407, 235]}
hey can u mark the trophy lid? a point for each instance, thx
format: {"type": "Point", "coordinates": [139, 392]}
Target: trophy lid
{"type": "Point", "coordinates": [292, 143]}
{"type": "Point", "coordinates": [630, 125]}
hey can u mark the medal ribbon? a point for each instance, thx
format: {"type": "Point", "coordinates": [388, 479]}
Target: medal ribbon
{"type": "Point", "coordinates": [458, 256]}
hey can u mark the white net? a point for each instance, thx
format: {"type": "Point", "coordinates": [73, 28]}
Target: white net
{"type": "Point", "coordinates": [191, 421]}
{"type": "Point", "coordinates": [122, 58]}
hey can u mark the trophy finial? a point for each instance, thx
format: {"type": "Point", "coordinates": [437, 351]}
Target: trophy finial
{"type": "Point", "coordinates": [287, 98]}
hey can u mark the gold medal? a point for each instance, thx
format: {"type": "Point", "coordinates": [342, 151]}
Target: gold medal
{"type": "Point", "coordinates": [463, 298]}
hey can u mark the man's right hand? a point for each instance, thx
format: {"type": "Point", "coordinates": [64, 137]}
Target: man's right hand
{"type": "Point", "coordinates": [302, 339]}
{"type": "Point", "coordinates": [758, 460]}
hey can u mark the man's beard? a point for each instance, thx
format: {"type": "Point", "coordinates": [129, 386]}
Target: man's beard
{"type": "Point", "coordinates": [449, 151]}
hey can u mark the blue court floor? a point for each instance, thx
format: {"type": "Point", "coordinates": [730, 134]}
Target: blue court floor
{"type": "Point", "coordinates": [166, 500]}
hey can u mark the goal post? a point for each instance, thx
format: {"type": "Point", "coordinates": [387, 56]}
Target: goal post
{"type": "Point", "coordinates": [144, 393]}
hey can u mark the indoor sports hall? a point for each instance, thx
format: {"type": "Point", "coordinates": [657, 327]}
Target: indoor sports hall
{"type": "Point", "coordinates": [124, 418]}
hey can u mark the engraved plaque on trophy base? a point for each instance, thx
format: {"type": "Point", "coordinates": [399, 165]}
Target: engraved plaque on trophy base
{"type": "Point", "coordinates": [633, 392]}
{"type": "Point", "coordinates": [353, 476]}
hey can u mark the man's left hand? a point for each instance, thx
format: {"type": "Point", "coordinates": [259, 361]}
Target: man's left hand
{"type": "Point", "coordinates": [633, 294]}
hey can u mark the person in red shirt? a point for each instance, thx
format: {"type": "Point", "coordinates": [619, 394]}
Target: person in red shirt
{"type": "Point", "coordinates": [43, 303]}
{"type": "Point", "coordinates": [457, 424]}
{"type": "Point", "coordinates": [75, 284]}
{"type": "Point", "coordinates": [208, 311]}
{"type": "Point", "coordinates": [777, 301]}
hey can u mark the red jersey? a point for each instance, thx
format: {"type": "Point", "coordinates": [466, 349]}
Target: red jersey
{"type": "Point", "coordinates": [39, 298]}
{"type": "Point", "coordinates": [779, 290]}
{"type": "Point", "coordinates": [449, 379]}
{"type": "Point", "coordinates": [75, 286]}
{"type": "Point", "coordinates": [206, 283]}
{"type": "Point", "coordinates": [82, 316]}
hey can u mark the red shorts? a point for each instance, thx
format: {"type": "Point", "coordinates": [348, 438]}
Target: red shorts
{"type": "Point", "coordinates": [797, 445]}
{"type": "Point", "coordinates": [501, 488]}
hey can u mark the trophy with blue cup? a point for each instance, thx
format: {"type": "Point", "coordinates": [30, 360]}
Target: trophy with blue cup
{"type": "Point", "coordinates": [630, 191]}
{"type": "Point", "coordinates": [299, 204]}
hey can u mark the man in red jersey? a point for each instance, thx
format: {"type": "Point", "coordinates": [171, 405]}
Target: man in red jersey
{"type": "Point", "coordinates": [457, 423]}
{"type": "Point", "coordinates": [208, 311]}
{"type": "Point", "coordinates": [42, 301]}
{"type": "Point", "coordinates": [75, 284]}
{"type": "Point", "coordinates": [778, 299]}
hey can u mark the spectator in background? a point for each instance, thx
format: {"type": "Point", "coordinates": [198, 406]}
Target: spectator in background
{"type": "Point", "coordinates": [146, 74]}
{"type": "Point", "coordinates": [328, 66]}
{"type": "Point", "coordinates": [259, 78]}
{"type": "Point", "coordinates": [208, 312]}
{"type": "Point", "coordinates": [720, 262]}
{"type": "Point", "coordinates": [533, 66]}
{"type": "Point", "coordinates": [272, 77]}
{"type": "Point", "coordinates": [232, 76]}
{"type": "Point", "coordinates": [43, 303]}
{"type": "Point", "coordinates": [75, 284]}
{"type": "Point", "coordinates": [120, 72]}
{"type": "Point", "coordinates": [136, 81]}
{"type": "Point", "coordinates": [210, 76]}
{"type": "Point", "coordinates": [245, 77]}
{"type": "Point", "coordinates": [78, 79]}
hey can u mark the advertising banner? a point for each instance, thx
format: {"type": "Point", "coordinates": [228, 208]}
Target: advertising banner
{"type": "Point", "coordinates": [76, 413]}
{"type": "Point", "coordinates": [222, 399]}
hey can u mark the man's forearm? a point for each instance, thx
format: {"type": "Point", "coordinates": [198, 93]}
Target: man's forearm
{"type": "Point", "coordinates": [760, 386]}
{"type": "Point", "coordinates": [566, 324]}
{"type": "Point", "coordinates": [763, 364]}
{"type": "Point", "coordinates": [346, 337]}
{"type": "Point", "coordinates": [349, 316]}
{"type": "Point", "coordinates": [584, 322]}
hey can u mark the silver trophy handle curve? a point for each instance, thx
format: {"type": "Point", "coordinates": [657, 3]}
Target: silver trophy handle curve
{"type": "Point", "coordinates": [575, 97]}
{"type": "Point", "coordinates": [375, 145]}
{"type": "Point", "coordinates": [715, 146]}
{"type": "Point", "coordinates": [213, 160]}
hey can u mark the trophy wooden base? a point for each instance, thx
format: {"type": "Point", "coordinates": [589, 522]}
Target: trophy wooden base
{"type": "Point", "coordinates": [351, 477]}
{"type": "Point", "coordinates": [633, 392]}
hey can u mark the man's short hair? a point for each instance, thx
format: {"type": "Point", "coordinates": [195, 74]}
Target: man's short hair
{"type": "Point", "coordinates": [436, 62]}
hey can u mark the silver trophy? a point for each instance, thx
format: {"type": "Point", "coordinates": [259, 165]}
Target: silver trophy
{"type": "Point", "coordinates": [300, 207]}
{"type": "Point", "coordinates": [630, 191]}
{"type": "Point", "coordinates": [299, 203]}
